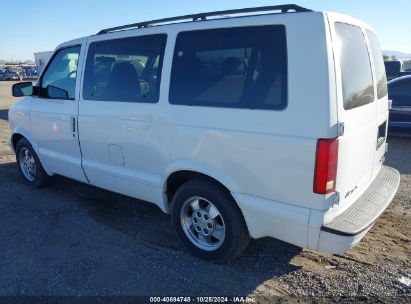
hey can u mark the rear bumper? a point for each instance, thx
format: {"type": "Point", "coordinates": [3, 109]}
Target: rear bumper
{"type": "Point", "coordinates": [348, 229]}
{"type": "Point", "coordinates": [304, 227]}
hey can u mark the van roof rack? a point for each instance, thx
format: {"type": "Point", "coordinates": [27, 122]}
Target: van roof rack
{"type": "Point", "coordinates": [203, 16]}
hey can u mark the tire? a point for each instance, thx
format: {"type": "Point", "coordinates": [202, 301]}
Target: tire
{"type": "Point", "coordinates": [27, 158]}
{"type": "Point", "coordinates": [208, 221]}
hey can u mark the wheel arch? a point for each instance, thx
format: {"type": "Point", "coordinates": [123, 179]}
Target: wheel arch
{"type": "Point", "coordinates": [20, 133]}
{"type": "Point", "coordinates": [15, 138]}
{"type": "Point", "coordinates": [180, 173]}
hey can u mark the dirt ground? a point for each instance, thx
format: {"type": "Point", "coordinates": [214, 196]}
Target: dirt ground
{"type": "Point", "coordinates": [73, 239]}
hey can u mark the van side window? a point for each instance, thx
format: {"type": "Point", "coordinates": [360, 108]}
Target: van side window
{"type": "Point", "coordinates": [356, 74]}
{"type": "Point", "coordinates": [380, 75]}
{"type": "Point", "coordinates": [59, 80]}
{"type": "Point", "coordinates": [243, 67]}
{"type": "Point", "coordinates": [126, 69]}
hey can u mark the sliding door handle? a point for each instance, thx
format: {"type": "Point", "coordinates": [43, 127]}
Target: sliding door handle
{"type": "Point", "coordinates": [73, 126]}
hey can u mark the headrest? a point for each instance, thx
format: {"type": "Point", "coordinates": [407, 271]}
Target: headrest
{"type": "Point", "coordinates": [232, 65]}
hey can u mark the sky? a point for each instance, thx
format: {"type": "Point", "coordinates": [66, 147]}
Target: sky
{"type": "Point", "coordinates": [28, 26]}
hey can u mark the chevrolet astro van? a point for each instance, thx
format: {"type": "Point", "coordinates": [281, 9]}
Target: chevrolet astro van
{"type": "Point", "coordinates": [267, 121]}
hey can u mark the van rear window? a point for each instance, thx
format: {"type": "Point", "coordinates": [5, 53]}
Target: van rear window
{"type": "Point", "coordinates": [356, 74]}
{"type": "Point", "coordinates": [379, 67]}
{"type": "Point", "coordinates": [243, 67]}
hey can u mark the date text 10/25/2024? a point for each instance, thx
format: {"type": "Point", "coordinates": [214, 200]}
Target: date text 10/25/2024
{"type": "Point", "coordinates": [200, 299]}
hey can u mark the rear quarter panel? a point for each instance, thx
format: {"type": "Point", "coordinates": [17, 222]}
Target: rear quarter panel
{"type": "Point", "coordinates": [269, 154]}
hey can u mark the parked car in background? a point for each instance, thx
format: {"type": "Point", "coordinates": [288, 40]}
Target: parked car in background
{"type": "Point", "coordinates": [2, 74]}
{"type": "Point", "coordinates": [12, 75]}
{"type": "Point", "coordinates": [30, 72]}
{"type": "Point", "coordinates": [214, 122]}
{"type": "Point", "coordinates": [399, 91]}
{"type": "Point", "coordinates": [395, 69]}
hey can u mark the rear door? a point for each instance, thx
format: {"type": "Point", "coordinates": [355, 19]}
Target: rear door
{"type": "Point", "coordinates": [357, 108]}
{"type": "Point", "coordinates": [381, 99]}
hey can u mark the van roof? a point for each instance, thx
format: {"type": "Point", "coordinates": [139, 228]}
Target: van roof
{"type": "Point", "coordinates": [221, 15]}
{"type": "Point", "coordinates": [285, 8]}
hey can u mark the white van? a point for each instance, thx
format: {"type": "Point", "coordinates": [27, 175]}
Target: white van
{"type": "Point", "coordinates": [258, 125]}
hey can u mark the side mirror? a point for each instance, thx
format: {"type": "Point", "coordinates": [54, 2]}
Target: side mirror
{"type": "Point", "coordinates": [58, 93]}
{"type": "Point", "coordinates": [22, 89]}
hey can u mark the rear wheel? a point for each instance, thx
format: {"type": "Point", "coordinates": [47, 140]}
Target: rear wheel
{"type": "Point", "coordinates": [29, 164]}
{"type": "Point", "coordinates": [208, 221]}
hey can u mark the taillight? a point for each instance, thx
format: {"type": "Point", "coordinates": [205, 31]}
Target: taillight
{"type": "Point", "coordinates": [325, 171]}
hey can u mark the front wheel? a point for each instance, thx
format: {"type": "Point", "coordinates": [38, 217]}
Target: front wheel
{"type": "Point", "coordinates": [208, 221]}
{"type": "Point", "coordinates": [29, 164]}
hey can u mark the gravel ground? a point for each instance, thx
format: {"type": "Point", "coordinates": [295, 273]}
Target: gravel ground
{"type": "Point", "coordinates": [77, 240]}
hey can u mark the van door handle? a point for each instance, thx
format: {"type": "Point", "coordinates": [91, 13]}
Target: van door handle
{"type": "Point", "coordinates": [73, 126]}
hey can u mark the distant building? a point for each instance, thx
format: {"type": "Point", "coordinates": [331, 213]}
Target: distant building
{"type": "Point", "coordinates": [41, 59]}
